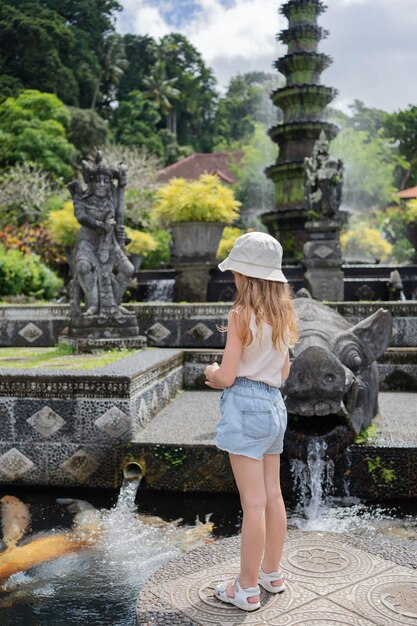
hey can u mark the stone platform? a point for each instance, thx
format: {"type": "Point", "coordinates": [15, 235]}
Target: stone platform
{"type": "Point", "coordinates": [330, 582]}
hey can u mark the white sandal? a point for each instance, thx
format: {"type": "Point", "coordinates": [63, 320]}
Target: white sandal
{"type": "Point", "coordinates": [266, 580]}
{"type": "Point", "coordinates": [242, 595]}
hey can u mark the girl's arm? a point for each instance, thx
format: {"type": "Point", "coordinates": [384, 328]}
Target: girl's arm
{"type": "Point", "coordinates": [285, 372]}
{"type": "Point", "coordinates": [225, 375]}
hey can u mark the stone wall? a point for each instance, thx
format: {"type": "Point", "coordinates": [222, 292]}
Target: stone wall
{"type": "Point", "coordinates": [65, 428]}
{"type": "Point", "coordinates": [181, 325]}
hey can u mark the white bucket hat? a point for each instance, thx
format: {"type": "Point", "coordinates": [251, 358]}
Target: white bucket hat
{"type": "Point", "coordinates": [257, 255]}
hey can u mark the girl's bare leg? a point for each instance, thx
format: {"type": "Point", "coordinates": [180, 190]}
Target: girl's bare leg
{"type": "Point", "coordinates": [275, 516]}
{"type": "Point", "coordinates": [249, 477]}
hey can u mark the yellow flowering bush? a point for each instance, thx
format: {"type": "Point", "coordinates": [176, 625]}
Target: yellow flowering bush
{"type": "Point", "coordinates": [226, 242]}
{"type": "Point", "coordinates": [62, 225]}
{"type": "Point", "coordinates": [362, 242]}
{"type": "Point", "coordinates": [140, 243]}
{"type": "Point", "coordinates": [410, 211]}
{"type": "Point", "coordinates": [203, 200]}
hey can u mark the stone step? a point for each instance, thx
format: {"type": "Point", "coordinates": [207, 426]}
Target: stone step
{"type": "Point", "coordinates": [178, 451]}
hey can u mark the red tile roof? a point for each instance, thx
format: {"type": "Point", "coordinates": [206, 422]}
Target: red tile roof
{"type": "Point", "coordinates": [408, 193]}
{"type": "Point", "coordinates": [190, 168]}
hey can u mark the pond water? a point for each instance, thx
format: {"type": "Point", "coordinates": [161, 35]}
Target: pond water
{"type": "Point", "coordinates": [99, 586]}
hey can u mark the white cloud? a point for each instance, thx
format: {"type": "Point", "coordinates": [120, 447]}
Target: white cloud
{"type": "Point", "coordinates": [141, 19]}
{"type": "Point", "coordinates": [372, 42]}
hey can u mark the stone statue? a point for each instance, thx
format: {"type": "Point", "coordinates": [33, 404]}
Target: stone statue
{"type": "Point", "coordinates": [332, 389]}
{"type": "Point", "coordinates": [323, 182]}
{"type": "Point", "coordinates": [101, 266]}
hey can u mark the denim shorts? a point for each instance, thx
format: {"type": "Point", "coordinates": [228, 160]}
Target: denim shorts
{"type": "Point", "coordinates": [253, 419]}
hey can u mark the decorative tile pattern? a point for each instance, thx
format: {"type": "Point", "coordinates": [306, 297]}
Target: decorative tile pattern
{"type": "Point", "coordinates": [14, 464]}
{"type": "Point", "coordinates": [30, 332]}
{"type": "Point", "coordinates": [157, 332]}
{"type": "Point", "coordinates": [80, 465]}
{"type": "Point", "coordinates": [155, 402]}
{"type": "Point", "coordinates": [387, 599]}
{"type": "Point", "coordinates": [166, 393]}
{"type": "Point", "coordinates": [200, 332]}
{"type": "Point", "coordinates": [323, 251]}
{"type": "Point", "coordinates": [323, 565]}
{"type": "Point", "coordinates": [46, 421]}
{"type": "Point", "coordinates": [143, 413]}
{"type": "Point", "coordinates": [114, 422]}
{"type": "Point", "coordinates": [194, 596]}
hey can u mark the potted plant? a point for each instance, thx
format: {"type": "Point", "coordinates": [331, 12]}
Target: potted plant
{"type": "Point", "coordinates": [197, 212]}
{"type": "Point", "coordinates": [139, 246]}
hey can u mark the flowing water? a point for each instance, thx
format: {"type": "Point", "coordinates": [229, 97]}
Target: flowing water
{"type": "Point", "coordinates": [161, 290]}
{"type": "Point", "coordinates": [318, 510]}
{"type": "Point", "coordinates": [98, 586]}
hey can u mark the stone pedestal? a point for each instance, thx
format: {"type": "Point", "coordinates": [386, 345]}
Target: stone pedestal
{"type": "Point", "coordinates": [323, 261]}
{"type": "Point", "coordinates": [88, 333]}
{"type": "Point", "coordinates": [191, 281]}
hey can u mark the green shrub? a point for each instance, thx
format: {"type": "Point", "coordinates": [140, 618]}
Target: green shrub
{"type": "Point", "coordinates": [162, 255]}
{"type": "Point", "coordinates": [25, 274]}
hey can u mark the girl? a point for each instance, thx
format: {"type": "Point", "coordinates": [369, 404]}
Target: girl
{"type": "Point", "coordinates": [260, 328]}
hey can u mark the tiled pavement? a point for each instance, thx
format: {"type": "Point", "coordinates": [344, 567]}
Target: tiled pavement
{"type": "Point", "coordinates": [329, 583]}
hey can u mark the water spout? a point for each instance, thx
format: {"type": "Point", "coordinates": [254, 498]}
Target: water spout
{"type": "Point", "coordinates": [134, 470]}
{"type": "Point", "coordinates": [314, 481]}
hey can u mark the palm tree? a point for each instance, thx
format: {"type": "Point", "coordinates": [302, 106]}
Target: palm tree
{"type": "Point", "coordinates": [113, 65]}
{"type": "Point", "coordinates": [161, 90]}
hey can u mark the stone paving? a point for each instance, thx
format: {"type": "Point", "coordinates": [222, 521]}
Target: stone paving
{"type": "Point", "coordinates": [329, 583]}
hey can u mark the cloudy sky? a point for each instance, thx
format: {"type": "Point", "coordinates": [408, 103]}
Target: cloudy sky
{"type": "Point", "coordinates": [373, 42]}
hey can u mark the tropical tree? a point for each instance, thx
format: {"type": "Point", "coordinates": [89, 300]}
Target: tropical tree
{"type": "Point", "coordinates": [113, 64]}
{"type": "Point", "coordinates": [135, 123]}
{"type": "Point", "coordinates": [245, 103]}
{"type": "Point", "coordinates": [402, 127]}
{"type": "Point", "coordinates": [33, 128]}
{"type": "Point", "coordinates": [161, 90]}
{"type": "Point", "coordinates": [54, 45]}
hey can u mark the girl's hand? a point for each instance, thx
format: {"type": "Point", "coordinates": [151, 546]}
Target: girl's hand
{"type": "Point", "coordinates": [210, 371]}
{"type": "Point", "coordinates": [212, 385]}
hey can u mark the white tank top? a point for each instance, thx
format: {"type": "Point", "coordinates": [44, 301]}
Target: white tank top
{"type": "Point", "coordinates": [261, 360]}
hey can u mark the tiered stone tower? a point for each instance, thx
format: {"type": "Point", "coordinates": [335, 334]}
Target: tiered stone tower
{"type": "Point", "coordinates": [303, 101]}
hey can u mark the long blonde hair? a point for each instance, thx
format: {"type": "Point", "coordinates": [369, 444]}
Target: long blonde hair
{"type": "Point", "coordinates": [271, 302]}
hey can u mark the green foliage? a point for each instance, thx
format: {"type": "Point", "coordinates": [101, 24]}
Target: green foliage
{"type": "Point", "coordinates": [33, 128]}
{"type": "Point", "coordinates": [201, 200]}
{"type": "Point", "coordinates": [402, 128]}
{"type": "Point", "coordinates": [162, 255]}
{"type": "Point", "coordinates": [141, 53]}
{"type": "Point", "coordinates": [392, 221]}
{"type": "Point", "coordinates": [135, 122]}
{"type": "Point", "coordinates": [63, 226]}
{"type": "Point", "coordinates": [170, 456]}
{"type": "Point", "coordinates": [57, 44]}
{"type": "Point", "coordinates": [366, 435]}
{"type": "Point", "coordinates": [245, 103]}
{"type": "Point", "coordinates": [140, 243]}
{"type": "Point", "coordinates": [87, 130]}
{"type": "Point", "coordinates": [380, 473]}
{"type": "Point", "coordinates": [25, 274]}
{"type": "Point", "coordinates": [27, 193]}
